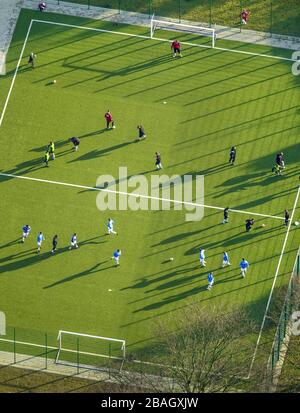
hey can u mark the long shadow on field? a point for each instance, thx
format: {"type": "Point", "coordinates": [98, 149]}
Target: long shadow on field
{"type": "Point", "coordinates": [58, 144]}
{"type": "Point", "coordinates": [251, 236]}
{"type": "Point", "coordinates": [21, 254]}
{"type": "Point", "coordinates": [10, 243]}
{"type": "Point", "coordinates": [16, 265]}
{"type": "Point", "coordinates": [101, 152]}
{"type": "Point", "coordinates": [89, 271]}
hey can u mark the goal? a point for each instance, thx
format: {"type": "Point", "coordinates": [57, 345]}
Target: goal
{"type": "Point", "coordinates": [199, 31]}
{"type": "Point", "coordinates": [89, 350]}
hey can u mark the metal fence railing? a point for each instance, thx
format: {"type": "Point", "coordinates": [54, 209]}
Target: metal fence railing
{"type": "Point", "coordinates": [290, 304]}
{"type": "Point", "coordinates": [272, 16]}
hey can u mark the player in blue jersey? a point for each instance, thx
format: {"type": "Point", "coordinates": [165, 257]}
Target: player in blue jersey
{"type": "Point", "coordinates": [211, 280]}
{"type": "Point", "coordinates": [26, 229]}
{"type": "Point", "coordinates": [73, 241]}
{"type": "Point", "coordinates": [116, 256]}
{"type": "Point", "coordinates": [40, 239]}
{"type": "Point", "coordinates": [202, 257]}
{"type": "Point", "coordinates": [110, 227]}
{"type": "Point", "coordinates": [244, 265]}
{"type": "Point", "coordinates": [225, 259]}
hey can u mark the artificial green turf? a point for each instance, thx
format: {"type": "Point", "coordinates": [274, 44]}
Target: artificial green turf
{"type": "Point", "coordinates": [215, 99]}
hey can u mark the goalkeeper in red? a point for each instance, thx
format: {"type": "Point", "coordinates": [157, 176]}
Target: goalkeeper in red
{"type": "Point", "coordinates": [176, 47]}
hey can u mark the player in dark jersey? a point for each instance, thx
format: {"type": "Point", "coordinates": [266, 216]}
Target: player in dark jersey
{"type": "Point", "coordinates": [158, 160]}
{"type": "Point", "coordinates": [31, 60]}
{"type": "Point", "coordinates": [142, 134]}
{"type": "Point", "coordinates": [75, 142]}
{"type": "Point", "coordinates": [176, 47]}
{"type": "Point", "coordinates": [286, 217]}
{"type": "Point", "coordinates": [226, 215]}
{"type": "Point", "coordinates": [54, 244]}
{"type": "Point", "coordinates": [249, 223]}
{"type": "Point", "coordinates": [232, 155]}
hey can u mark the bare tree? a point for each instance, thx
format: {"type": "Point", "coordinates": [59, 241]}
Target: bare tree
{"type": "Point", "coordinates": [204, 352]}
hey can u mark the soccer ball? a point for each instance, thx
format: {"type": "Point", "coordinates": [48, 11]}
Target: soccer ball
{"type": "Point", "coordinates": [165, 103]}
{"type": "Point", "coordinates": [263, 225]}
{"type": "Point", "coordinates": [171, 259]}
{"type": "Point", "coordinates": [296, 223]}
{"type": "Point", "coordinates": [54, 81]}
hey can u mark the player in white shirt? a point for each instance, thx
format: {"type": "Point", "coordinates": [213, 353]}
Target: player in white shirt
{"type": "Point", "coordinates": [110, 227]}
{"type": "Point", "coordinates": [202, 257]}
{"type": "Point", "coordinates": [225, 259]}
{"type": "Point", "coordinates": [73, 242]}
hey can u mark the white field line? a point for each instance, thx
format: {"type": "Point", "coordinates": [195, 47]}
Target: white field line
{"type": "Point", "coordinates": [174, 201]}
{"type": "Point", "coordinates": [15, 74]}
{"type": "Point", "coordinates": [163, 40]}
{"type": "Point", "coordinates": [274, 282]}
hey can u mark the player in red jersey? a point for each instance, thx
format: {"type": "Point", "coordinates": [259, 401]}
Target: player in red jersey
{"type": "Point", "coordinates": [109, 120]}
{"type": "Point", "coordinates": [245, 16]}
{"type": "Point", "coordinates": [175, 46]}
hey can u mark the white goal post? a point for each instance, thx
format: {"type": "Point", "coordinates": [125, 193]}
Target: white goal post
{"type": "Point", "coordinates": [90, 345]}
{"type": "Point", "coordinates": [156, 24]}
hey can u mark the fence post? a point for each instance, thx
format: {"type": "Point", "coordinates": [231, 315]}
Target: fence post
{"type": "Point", "coordinates": [271, 18]}
{"type": "Point", "coordinates": [119, 6]}
{"type": "Point", "coordinates": [179, 11]}
{"type": "Point", "coordinates": [77, 355]}
{"type": "Point", "coordinates": [46, 353]}
{"type": "Point", "coordinates": [241, 9]}
{"type": "Point", "coordinates": [15, 356]}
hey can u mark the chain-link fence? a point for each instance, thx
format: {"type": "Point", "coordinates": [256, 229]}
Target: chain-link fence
{"type": "Point", "coordinates": [272, 16]}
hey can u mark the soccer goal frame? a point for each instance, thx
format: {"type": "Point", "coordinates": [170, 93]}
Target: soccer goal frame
{"type": "Point", "coordinates": [61, 348]}
{"type": "Point", "coordinates": [181, 27]}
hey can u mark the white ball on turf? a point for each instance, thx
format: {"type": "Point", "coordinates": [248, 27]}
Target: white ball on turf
{"type": "Point", "coordinates": [54, 81]}
{"type": "Point", "coordinates": [171, 259]}
{"type": "Point", "coordinates": [296, 223]}
{"type": "Point", "coordinates": [165, 102]}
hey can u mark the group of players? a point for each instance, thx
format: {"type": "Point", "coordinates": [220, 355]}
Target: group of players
{"type": "Point", "coordinates": [110, 124]}
{"type": "Point", "coordinates": [73, 244]}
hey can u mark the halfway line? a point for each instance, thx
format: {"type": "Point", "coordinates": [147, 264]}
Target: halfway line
{"type": "Point", "coordinates": [137, 195]}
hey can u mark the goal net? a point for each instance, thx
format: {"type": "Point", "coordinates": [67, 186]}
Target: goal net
{"type": "Point", "coordinates": [189, 34]}
{"type": "Point", "coordinates": [85, 350]}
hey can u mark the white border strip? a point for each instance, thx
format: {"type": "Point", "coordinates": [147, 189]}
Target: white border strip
{"type": "Point", "coordinates": [174, 201]}
{"type": "Point", "coordinates": [163, 40]}
{"type": "Point", "coordinates": [274, 282]}
{"type": "Point", "coordinates": [15, 74]}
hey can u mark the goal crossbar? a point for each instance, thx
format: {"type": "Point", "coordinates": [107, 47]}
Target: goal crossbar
{"type": "Point", "coordinates": [109, 339]}
{"type": "Point", "coordinates": [182, 27]}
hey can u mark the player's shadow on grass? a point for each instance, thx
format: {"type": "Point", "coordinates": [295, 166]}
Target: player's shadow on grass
{"type": "Point", "coordinates": [24, 167]}
{"type": "Point", "coordinates": [21, 254]}
{"type": "Point", "coordinates": [96, 153]}
{"type": "Point", "coordinates": [58, 144]}
{"type": "Point", "coordinates": [247, 236]}
{"type": "Point", "coordinates": [10, 243]}
{"type": "Point", "coordinates": [93, 270]}
{"type": "Point", "coordinates": [94, 133]}
{"type": "Point", "coordinates": [21, 264]}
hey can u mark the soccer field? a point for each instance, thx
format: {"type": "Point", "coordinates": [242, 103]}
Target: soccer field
{"type": "Point", "coordinates": [238, 95]}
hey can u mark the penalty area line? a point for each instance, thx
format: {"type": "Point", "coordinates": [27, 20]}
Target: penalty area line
{"type": "Point", "coordinates": [136, 195]}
